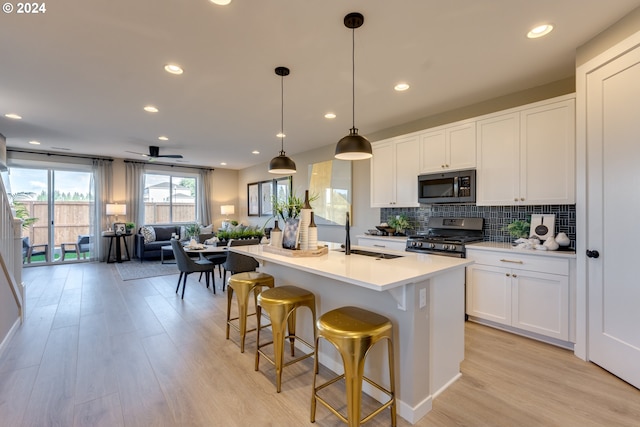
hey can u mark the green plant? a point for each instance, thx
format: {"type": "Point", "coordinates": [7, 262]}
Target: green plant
{"type": "Point", "coordinates": [518, 229]}
{"type": "Point", "coordinates": [399, 222]}
{"type": "Point", "coordinates": [21, 209]}
{"type": "Point", "coordinates": [130, 226]}
{"type": "Point", "coordinates": [192, 229]}
{"type": "Point", "coordinates": [291, 207]}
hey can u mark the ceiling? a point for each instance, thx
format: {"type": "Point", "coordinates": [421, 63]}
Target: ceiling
{"type": "Point", "coordinates": [81, 73]}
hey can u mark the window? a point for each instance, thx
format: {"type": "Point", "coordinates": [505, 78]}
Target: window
{"type": "Point", "coordinates": [170, 198]}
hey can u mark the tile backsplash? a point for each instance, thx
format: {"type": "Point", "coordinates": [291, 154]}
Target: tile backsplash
{"type": "Point", "coordinates": [496, 218]}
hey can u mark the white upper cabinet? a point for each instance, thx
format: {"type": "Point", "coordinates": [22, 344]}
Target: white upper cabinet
{"type": "Point", "coordinates": [527, 157]}
{"type": "Point", "coordinates": [394, 172]}
{"type": "Point", "coordinates": [448, 148]}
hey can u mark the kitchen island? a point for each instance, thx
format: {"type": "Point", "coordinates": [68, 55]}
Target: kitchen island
{"type": "Point", "coordinates": [423, 295]}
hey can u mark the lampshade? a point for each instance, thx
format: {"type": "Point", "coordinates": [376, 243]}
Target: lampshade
{"type": "Point", "coordinates": [353, 146]}
{"type": "Point", "coordinates": [282, 164]}
{"type": "Point", "coordinates": [227, 209]}
{"type": "Point", "coordinates": [116, 209]}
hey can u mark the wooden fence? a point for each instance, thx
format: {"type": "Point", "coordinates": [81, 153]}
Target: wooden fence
{"type": "Point", "coordinates": [71, 219]}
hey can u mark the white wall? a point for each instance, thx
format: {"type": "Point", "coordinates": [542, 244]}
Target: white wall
{"type": "Point", "coordinates": [364, 217]}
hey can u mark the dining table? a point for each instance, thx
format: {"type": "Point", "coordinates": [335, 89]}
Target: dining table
{"type": "Point", "coordinates": [200, 249]}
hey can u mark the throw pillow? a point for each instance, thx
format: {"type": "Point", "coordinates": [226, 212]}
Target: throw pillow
{"type": "Point", "coordinates": [149, 233]}
{"type": "Point", "coordinates": [206, 230]}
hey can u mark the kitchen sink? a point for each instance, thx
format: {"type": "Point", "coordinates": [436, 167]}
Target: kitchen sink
{"type": "Point", "coordinates": [373, 254]}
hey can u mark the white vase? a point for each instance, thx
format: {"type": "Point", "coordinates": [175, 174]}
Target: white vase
{"type": "Point", "coordinates": [313, 234]}
{"type": "Point", "coordinates": [276, 236]}
{"type": "Point", "coordinates": [563, 239]}
{"type": "Point", "coordinates": [305, 220]}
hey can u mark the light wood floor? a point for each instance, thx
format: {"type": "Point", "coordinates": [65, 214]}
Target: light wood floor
{"type": "Point", "coordinates": [97, 351]}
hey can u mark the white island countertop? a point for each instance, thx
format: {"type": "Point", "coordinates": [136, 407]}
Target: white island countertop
{"type": "Point", "coordinates": [367, 272]}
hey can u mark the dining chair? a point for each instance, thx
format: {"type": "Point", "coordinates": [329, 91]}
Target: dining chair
{"type": "Point", "coordinates": [187, 266]}
{"type": "Point", "coordinates": [237, 263]}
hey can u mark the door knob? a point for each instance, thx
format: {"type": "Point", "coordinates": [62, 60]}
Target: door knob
{"type": "Point", "coordinates": [593, 254]}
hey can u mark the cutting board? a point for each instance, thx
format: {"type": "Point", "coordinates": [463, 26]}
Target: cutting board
{"type": "Point", "coordinates": [543, 226]}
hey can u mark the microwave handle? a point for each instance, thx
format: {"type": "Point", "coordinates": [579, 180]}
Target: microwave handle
{"type": "Point", "coordinates": [456, 187]}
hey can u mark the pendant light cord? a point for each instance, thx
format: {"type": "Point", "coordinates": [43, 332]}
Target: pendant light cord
{"type": "Point", "coordinates": [353, 76]}
{"type": "Point", "coordinates": [282, 115]}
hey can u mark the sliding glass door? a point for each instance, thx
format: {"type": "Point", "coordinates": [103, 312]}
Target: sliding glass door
{"type": "Point", "coordinates": [56, 205]}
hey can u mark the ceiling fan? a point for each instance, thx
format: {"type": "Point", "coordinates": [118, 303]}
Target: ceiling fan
{"type": "Point", "coordinates": [154, 153]}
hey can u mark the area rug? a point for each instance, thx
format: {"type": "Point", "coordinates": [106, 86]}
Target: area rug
{"type": "Point", "coordinates": [134, 269]}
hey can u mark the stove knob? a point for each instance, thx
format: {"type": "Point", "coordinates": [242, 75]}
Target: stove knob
{"type": "Point", "coordinates": [432, 245]}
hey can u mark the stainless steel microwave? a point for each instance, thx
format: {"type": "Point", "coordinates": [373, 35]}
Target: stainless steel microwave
{"type": "Point", "coordinates": [447, 187]}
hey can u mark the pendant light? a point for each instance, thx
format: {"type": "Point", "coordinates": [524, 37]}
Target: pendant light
{"type": "Point", "coordinates": [282, 164]}
{"type": "Point", "coordinates": [353, 146]}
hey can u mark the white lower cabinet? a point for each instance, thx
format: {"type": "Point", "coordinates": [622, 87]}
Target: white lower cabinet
{"type": "Point", "coordinates": [526, 292]}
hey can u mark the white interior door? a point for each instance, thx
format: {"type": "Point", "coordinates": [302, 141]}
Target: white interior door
{"type": "Point", "coordinates": [613, 228]}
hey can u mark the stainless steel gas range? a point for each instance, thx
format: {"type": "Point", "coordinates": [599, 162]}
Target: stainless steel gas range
{"type": "Point", "coordinates": [447, 236]}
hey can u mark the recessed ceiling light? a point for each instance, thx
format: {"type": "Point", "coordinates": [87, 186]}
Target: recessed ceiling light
{"type": "Point", "coordinates": [34, 142]}
{"type": "Point", "coordinates": [221, 2]}
{"type": "Point", "coordinates": [539, 31]}
{"type": "Point", "coordinates": [223, 163]}
{"type": "Point", "coordinates": [330, 116]}
{"type": "Point", "coordinates": [13, 116]}
{"type": "Point", "coordinates": [281, 135]}
{"type": "Point", "coordinates": [163, 138]}
{"type": "Point", "coordinates": [150, 109]}
{"type": "Point", "coordinates": [173, 69]}
{"type": "Point", "coordinates": [255, 152]}
{"type": "Point", "coordinates": [401, 87]}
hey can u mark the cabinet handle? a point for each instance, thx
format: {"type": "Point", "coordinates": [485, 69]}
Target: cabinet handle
{"type": "Point", "coordinates": [514, 275]}
{"type": "Point", "coordinates": [379, 246]}
{"type": "Point", "coordinates": [522, 199]}
{"type": "Point", "coordinates": [508, 275]}
{"type": "Point", "coordinates": [446, 166]}
{"type": "Point", "coordinates": [442, 166]}
{"type": "Point", "coordinates": [515, 199]}
{"type": "Point", "coordinates": [513, 261]}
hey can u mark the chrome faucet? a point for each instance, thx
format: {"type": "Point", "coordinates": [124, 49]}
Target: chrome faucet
{"type": "Point", "coordinates": [347, 242]}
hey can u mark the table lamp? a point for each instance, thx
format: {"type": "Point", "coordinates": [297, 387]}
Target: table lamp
{"type": "Point", "coordinates": [227, 210]}
{"type": "Point", "coordinates": [115, 209]}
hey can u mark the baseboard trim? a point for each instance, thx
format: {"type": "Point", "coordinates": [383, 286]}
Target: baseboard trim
{"type": "Point", "coordinates": [7, 339]}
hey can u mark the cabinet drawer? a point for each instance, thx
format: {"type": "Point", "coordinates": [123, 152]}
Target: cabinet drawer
{"type": "Point", "coordinates": [517, 260]}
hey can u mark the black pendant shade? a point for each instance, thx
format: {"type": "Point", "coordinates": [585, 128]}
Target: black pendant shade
{"type": "Point", "coordinates": [282, 164]}
{"type": "Point", "coordinates": [353, 146]}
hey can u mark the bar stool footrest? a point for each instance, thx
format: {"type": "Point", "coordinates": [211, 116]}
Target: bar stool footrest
{"type": "Point", "coordinates": [290, 362]}
{"type": "Point", "coordinates": [335, 412]}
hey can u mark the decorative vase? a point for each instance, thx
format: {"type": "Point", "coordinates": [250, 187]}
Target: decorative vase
{"type": "Point", "coordinates": [276, 236]}
{"type": "Point", "coordinates": [313, 234]}
{"type": "Point", "coordinates": [305, 220]}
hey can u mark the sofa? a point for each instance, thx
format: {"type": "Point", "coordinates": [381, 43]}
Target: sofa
{"type": "Point", "coordinates": [151, 249]}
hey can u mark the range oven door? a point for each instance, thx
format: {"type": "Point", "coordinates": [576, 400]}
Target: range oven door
{"type": "Point", "coordinates": [448, 187]}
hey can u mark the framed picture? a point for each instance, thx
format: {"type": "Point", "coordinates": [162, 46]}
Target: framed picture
{"type": "Point", "coordinates": [266, 201]}
{"type": "Point", "coordinates": [119, 228]}
{"type": "Point", "coordinates": [253, 199]}
{"type": "Point", "coordinates": [282, 188]}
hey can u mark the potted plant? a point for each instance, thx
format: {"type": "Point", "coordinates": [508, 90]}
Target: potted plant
{"type": "Point", "coordinates": [518, 229]}
{"type": "Point", "coordinates": [192, 230]}
{"type": "Point", "coordinates": [400, 223]}
{"type": "Point", "coordinates": [129, 226]}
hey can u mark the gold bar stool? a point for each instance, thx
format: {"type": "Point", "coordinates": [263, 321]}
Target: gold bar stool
{"type": "Point", "coordinates": [353, 331]}
{"type": "Point", "coordinates": [281, 303]}
{"type": "Point", "coordinates": [242, 284]}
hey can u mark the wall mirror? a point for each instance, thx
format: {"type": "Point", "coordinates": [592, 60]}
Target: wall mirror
{"type": "Point", "coordinates": [330, 181]}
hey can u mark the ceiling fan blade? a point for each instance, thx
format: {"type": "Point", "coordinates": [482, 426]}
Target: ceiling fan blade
{"type": "Point", "coordinates": [172, 156]}
{"type": "Point", "coordinates": [135, 152]}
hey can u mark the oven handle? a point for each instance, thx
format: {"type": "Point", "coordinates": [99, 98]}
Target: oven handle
{"type": "Point", "coordinates": [456, 186]}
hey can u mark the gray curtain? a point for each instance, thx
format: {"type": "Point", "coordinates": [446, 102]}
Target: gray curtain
{"type": "Point", "coordinates": [205, 190]}
{"type": "Point", "coordinates": [134, 180]}
{"type": "Point", "coordinates": [103, 187]}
